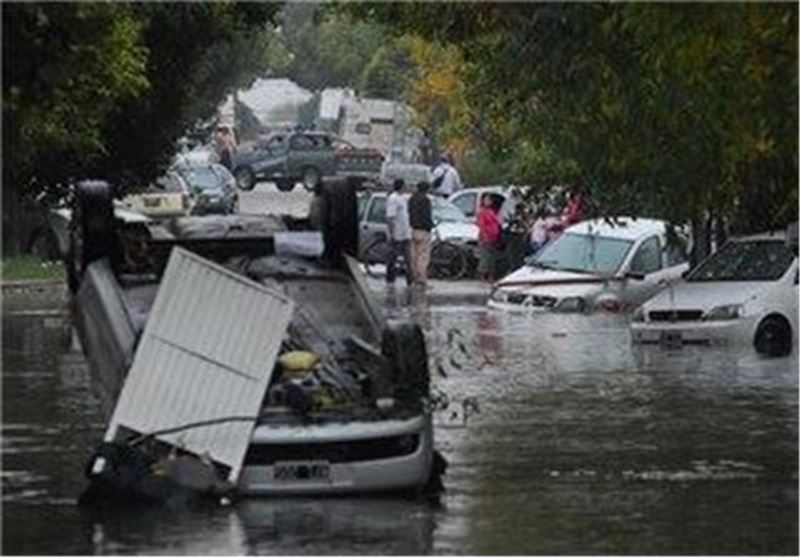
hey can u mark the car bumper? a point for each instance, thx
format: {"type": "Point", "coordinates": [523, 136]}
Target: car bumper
{"type": "Point", "coordinates": [695, 332]}
{"type": "Point", "coordinates": [396, 473]}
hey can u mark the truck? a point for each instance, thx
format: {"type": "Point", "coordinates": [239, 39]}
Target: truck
{"type": "Point", "coordinates": [307, 157]}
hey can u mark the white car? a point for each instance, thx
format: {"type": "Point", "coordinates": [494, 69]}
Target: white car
{"type": "Point", "coordinates": [169, 196]}
{"type": "Point", "coordinates": [746, 292]}
{"type": "Point", "coordinates": [451, 224]}
{"type": "Point", "coordinates": [469, 200]}
{"type": "Point", "coordinates": [595, 265]}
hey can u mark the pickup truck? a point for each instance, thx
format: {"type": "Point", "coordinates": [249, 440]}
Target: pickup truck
{"type": "Point", "coordinates": [302, 156]}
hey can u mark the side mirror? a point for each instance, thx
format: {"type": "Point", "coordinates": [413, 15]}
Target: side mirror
{"type": "Point", "coordinates": [634, 275]}
{"type": "Point", "coordinates": [685, 273]}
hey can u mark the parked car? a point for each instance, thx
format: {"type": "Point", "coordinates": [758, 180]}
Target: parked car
{"type": "Point", "coordinates": [745, 292]}
{"type": "Point", "coordinates": [168, 196]}
{"type": "Point", "coordinates": [595, 265]}
{"type": "Point", "coordinates": [451, 224]}
{"type": "Point", "coordinates": [302, 156]}
{"type": "Point", "coordinates": [469, 200]}
{"type": "Point", "coordinates": [212, 186]}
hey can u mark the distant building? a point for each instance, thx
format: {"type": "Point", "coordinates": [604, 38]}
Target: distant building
{"type": "Point", "coordinates": [366, 122]}
{"type": "Point", "coordinates": [268, 103]}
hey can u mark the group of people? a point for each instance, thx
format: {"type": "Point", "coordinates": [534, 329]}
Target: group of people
{"type": "Point", "coordinates": [521, 235]}
{"type": "Point", "coordinates": [409, 224]}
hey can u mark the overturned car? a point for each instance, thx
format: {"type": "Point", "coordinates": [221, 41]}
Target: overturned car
{"type": "Point", "coordinates": [242, 355]}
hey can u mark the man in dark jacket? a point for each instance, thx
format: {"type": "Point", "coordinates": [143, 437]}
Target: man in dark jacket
{"type": "Point", "coordinates": [420, 216]}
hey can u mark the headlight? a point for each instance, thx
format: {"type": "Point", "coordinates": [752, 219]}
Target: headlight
{"type": "Point", "coordinates": [730, 311]}
{"type": "Point", "coordinates": [571, 304]}
{"type": "Point", "coordinates": [638, 315]}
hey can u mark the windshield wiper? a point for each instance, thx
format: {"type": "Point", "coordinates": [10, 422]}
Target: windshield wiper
{"type": "Point", "coordinates": [542, 264]}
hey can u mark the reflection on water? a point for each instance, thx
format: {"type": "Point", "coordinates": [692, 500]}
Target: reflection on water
{"type": "Point", "coordinates": [582, 444]}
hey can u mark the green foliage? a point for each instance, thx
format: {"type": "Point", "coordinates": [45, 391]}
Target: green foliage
{"type": "Point", "coordinates": [29, 267]}
{"type": "Point", "coordinates": [65, 68]}
{"type": "Point", "coordinates": [670, 110]}
{"type": "Point", "coordinates": [102, 90]}
{"type": "Point", "coordinates": [327, 48]}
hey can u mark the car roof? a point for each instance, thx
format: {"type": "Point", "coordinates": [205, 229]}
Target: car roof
{"type": "Point", "coordinates": [624, 228]}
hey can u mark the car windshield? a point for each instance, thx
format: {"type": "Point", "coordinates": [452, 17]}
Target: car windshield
{"type": "Point", "coordinates": [444, 211]}
{"type": "Point", "coordinates": [201, 177]}
{"type": "Point", "coordinates": [583, 253]}
{"type": "Point", "coordinates": [751, 260]}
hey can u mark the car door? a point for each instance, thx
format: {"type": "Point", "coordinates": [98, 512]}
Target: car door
{"type": "Point", "coordinates": [645, 274]}
{"type": "Point", "coordinates": [373, 224]}
{"type": "Point", "coordinates": [270, 159]}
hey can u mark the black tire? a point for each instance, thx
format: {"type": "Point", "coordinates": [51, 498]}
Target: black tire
{"type": "Point", "coordinates": [403, 345]}
{"type": "Point", "coordinates": [448, 261]}
{"type": "Point", "coordinates": [245, 179]}
{"type": "Point", "coordinates": [339, 220]}
{"type": "Point", "coordinates": [284, 185]}
{"type": "Point", "coordinates": [375, 254]}
{"type": "Point", "coordinates": [311, 178]}
{"type": "Point", "coordinates": [92, 232]}
{"type": "Point", "coordinates": [773, 336]}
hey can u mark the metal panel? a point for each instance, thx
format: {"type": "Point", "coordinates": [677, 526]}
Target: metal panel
{"type": "Point", "coordinates": [105, 330]}
{"type": "Point", "coordinates": [207, 353]}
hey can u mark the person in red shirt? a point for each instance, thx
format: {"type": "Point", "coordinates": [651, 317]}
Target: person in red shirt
{"type": "Point", "coordinates": [489, 235]}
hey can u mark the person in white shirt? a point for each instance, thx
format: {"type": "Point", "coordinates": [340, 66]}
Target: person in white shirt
{"type": "Point", "coordinates": [444, 178]}
{"type": "Point", "coordinates": [399, 231]}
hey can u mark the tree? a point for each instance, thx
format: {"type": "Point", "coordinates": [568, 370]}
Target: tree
{"type": "Point", "coordinates": [677, 111]}
{"type": "Point", "coordinates": [103, 90]}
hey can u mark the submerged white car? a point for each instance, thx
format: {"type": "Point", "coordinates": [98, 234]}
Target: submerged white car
{"type": "Point", "coordinates": [746, 292]}
{"type": "Point", "coordinates": [595, 265]}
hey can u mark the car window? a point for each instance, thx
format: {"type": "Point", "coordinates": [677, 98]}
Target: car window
{"type": "Point", "coordinates": [377, 210]}
{"type": "Point", "coordinates": [302, 142]}
{"type": "Point", "coordinates": [202, 177]}
{"type": "Point", "coordinates": [168, 183]}
{"type": "Point", "coordinates": [748, 260]}
{"type": "Point", "coordinates": [648, 257]}
{"type": "Point", "coordinates": [583, 253]}
{"type": "Point", "coordinates": [444, 211]}
{"type": "Point", "coordinates": [362, 206]}
{"type": "Point", "coordinates": [275, 142]}
{"type": "Point", "coordinates": [675, 254]}
{"type": "Point", "coordinates": [466, 202]}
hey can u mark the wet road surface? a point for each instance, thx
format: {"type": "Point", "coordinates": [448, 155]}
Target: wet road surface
{"type": "Point", "coordinates": [580, 444]}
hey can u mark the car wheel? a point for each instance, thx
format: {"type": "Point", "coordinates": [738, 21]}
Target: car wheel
{"type": "Point", "coordinates": [311, 178]}
{"type": "Point", "coordinates": [773, 336]}
{"type": "Point", "coordinates": [403, 345]}
{"type": "Point", "coordinates": [92, 230]}
{"type": "Point", "coordinates": [284, 185]}
{"type": "Point", "coordinates": [245, 179]}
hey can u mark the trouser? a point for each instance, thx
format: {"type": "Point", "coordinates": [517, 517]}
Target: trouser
{"type": "Point", "coordinates": [402, 248]}
{"type": "Point", "coordinates": [421, 254]}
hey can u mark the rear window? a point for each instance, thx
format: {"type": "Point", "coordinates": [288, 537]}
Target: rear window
{"type": "Point", "coordinates": [751, 260]}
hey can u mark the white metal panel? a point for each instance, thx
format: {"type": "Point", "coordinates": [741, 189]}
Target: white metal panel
{"type": "Point", "coordinates": [206, 353]}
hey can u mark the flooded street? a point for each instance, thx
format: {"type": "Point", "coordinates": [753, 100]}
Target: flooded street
{"type": "Point", "coordinates": [577, 443]}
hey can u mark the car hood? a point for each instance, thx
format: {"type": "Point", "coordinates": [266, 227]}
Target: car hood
{"type": "Point", "coordinates": [464, 231]}
{"type": "Point", "coordinates": [706, 295]}
{"type": "Point", "coordinates": [562, 283]}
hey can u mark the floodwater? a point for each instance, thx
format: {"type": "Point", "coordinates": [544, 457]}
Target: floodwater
{"type": "Point", "coordinates": [580, 444]}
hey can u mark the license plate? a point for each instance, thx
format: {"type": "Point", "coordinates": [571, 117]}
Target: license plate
{"type": "Point", "coordinates": [152, 201]}
{"type": "Point", "coordinates": [301, 471]}
{"type": "Point", "coordinates": [671, 339]}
